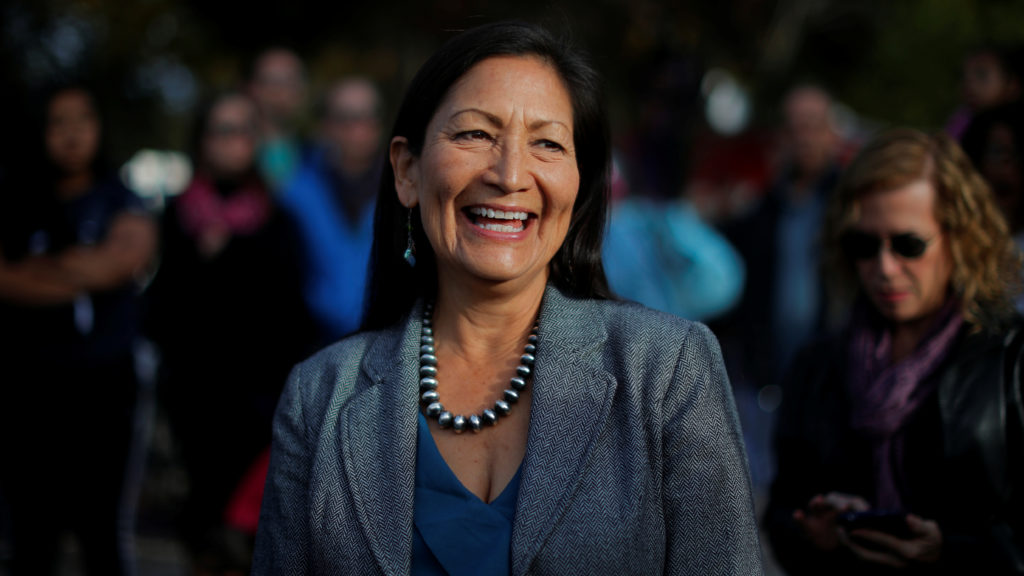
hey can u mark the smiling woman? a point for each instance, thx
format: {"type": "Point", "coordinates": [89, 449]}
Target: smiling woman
{"type": "Point", "coordinates": [602, 438]}
{"type": "Point", "coordinates": [500, 144]}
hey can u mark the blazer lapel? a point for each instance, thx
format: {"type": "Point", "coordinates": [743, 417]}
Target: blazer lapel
{"type": "Point", "coordinates": [571, 401]}
{"type": "Point", "coordinates": [379, 445]}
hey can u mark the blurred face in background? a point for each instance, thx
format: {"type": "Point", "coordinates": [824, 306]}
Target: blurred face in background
{"type": "Point", "coordinates": [72, 131]}
{"type": "Point", "coordinates": [229, 139]}
{"type": "Point", "coordinates": [279, 86]}
{"type": "Point", "coordinates": [352, 125]}
{"type": "Point", "coordinates": [809, 130]}
{"type": "Point", "coordinates": [985, 82]}
{"type": "Point", "coordinates": [904, 289]}
{"type": "Point", "coordinates": [1002, 170]}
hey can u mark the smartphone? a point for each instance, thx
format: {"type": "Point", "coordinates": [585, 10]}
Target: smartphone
{"type": "Point", "coordinates": [889, 521]}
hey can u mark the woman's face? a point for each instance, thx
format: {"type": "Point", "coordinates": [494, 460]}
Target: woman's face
{"type": "Point", "coordinates": [497, 176]}
{"type": "Point", "coordinates": [72, 131]}
{"type": "Point", "coordinates": [229, 141]}
{"type": "Point", "coordinates": [904, 289]}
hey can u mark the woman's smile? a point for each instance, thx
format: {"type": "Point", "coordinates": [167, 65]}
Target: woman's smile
{"type": "Point", "coordinates": [508, 222]}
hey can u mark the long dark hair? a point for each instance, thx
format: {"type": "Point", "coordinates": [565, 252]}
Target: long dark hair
{"type": "Point", "coordinates": [576, 268]}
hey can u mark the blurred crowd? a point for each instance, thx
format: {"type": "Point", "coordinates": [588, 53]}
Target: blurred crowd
{"type": "Point", "coordinates": [115, 313]}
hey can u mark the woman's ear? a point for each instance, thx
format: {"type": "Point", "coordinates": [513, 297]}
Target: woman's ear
{"type": "Point", "coordinates": [406, 168]}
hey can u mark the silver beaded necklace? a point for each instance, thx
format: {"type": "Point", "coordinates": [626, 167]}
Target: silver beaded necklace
{"type": "Point", "coordinates": [428, 383]}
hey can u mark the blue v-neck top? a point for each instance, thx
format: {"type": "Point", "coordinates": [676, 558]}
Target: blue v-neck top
{"type": "Point", "coordinates": [454, 531]}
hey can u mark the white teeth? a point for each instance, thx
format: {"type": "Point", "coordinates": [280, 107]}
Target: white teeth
{"type": "Point", "coordinates": [497, 214]}
{"type": "Point", "coordinates": [500, 227]}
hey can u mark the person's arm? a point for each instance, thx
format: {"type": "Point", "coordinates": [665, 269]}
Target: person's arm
{"type": "Point", "coordinates": [124, 255]}
{"type": "Point", "coordinates": [282, 539]}
{"type": "Point", "coordinates": [709, 509]}
{"type": "Point", "coordinates": [34, 281]}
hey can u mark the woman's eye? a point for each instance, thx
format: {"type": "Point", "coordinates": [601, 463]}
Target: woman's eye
{"type": "Point", "coordinates": [473, 135]}
{"type": "Point", "coordinates": [551, 145]}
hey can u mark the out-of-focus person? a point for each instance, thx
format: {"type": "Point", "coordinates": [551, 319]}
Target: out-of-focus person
{"type": "Point", "coordinates": [277, 84]}
{"type": "Point", "coordinates": [75, 247]}
{"type": "Point", "coordinates": [226, 311]}
{"type": "Point", "coordinates": [577, 434]}
{"type": "Point", "coordinates": [994, 141]}
{"type": "Point", "coordinates": [995, 144]}
{"type": "Point", "coordinates": [332, 199]}
{"type": "Point", "coordinates": [991, 76]}
{"type": "Point", "coordinates": [661, 253]}
{"type": "Point", "coordinates": [899, 438]}
{"type": "Point", "coordinates": [783, 300]}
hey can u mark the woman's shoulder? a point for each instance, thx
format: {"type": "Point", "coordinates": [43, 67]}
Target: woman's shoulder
{"type": "Point", "coordinates": [1003, 339]}
{"type": "Point", "coordinates": [632, 321]}
{"type": "Point", "coordinates": [632, 333]}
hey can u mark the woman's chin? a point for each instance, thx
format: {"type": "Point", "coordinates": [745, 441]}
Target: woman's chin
{"type": "Point", "coordinates": [497, 270]}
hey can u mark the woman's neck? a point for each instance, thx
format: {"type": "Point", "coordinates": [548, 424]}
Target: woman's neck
{"type": "Point", "coordinates": [907, 335]}
{"type": "Point", "coordinates": [904, 340]}
{"type": "Point", "coordinates": [482, 325]}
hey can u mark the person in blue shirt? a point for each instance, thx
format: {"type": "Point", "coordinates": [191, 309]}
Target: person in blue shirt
{"type": "Point", "coordinates": [332, 201]}
{"type": "Point", "coordinates": [662, 254]}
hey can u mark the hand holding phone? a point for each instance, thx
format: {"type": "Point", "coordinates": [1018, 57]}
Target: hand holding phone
{"type": "Point", "coordinates": [891, 522]}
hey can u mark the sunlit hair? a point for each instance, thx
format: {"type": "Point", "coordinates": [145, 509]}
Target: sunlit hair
{"type": "Point", "coordinates": [576, 268]}
{"type": "Point", "coordinates": [986, 264]}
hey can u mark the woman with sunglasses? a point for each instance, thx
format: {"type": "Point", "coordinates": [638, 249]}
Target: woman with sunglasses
{"type": "Point", "coordinates": [899, 443]}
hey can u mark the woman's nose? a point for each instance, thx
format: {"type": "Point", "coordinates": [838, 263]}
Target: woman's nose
{"type": "Point", "coordinates": [888, 263]}
{"type": "Point", "coordinates": [510, 172]}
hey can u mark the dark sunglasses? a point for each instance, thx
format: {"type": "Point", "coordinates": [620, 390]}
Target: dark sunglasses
{"type": "Point", "coordinates": [862, 246]}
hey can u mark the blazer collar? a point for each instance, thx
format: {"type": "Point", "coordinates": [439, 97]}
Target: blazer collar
{"type": "Point", "coordinates": [570, 403]}
{"type": "Point", "coordinates": [378, 439]}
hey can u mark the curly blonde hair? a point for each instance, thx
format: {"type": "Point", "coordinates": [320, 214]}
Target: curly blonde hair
{"type": "Point", "coordinates": [986, 264]}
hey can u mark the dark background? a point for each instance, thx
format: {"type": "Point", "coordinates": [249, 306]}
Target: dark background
{"type": "Point", "coordinates": [152, 61]}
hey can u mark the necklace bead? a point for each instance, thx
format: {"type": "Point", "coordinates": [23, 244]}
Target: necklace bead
{"type": "Point", "coordinates": [444, 419]}
{"type": "Point", "coordinates": [429, 382]}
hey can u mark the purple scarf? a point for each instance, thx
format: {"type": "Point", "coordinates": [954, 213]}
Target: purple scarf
{"type": "Point", "coordinates": [883, 395]}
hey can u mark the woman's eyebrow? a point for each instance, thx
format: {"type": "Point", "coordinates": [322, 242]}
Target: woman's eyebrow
{"type": "Point", "coordinates": [497, 122]}
{"type": "Point", "coordinates": [491, 118]}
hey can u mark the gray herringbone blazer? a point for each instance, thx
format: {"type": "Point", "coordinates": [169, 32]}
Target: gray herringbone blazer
{"type": "Point", "coordinates": [634, 461]}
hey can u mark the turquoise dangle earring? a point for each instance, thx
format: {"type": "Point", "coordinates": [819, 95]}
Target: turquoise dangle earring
{"type": "Point", "coordinates": [410, 247]}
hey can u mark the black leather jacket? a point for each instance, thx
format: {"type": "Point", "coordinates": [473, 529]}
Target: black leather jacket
{"type": "Point", "coordinates": [963, 457]}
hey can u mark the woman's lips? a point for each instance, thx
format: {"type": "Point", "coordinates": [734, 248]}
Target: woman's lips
{"type": "Point", "coordinates": [891, 296]}
{"type": "Point", "coordinates": [504, 221]}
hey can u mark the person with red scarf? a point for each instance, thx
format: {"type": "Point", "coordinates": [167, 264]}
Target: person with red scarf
{"type": "Point", "coordinates": [899, 440]}
{"type": "Point", "coordinates": [228, 316]}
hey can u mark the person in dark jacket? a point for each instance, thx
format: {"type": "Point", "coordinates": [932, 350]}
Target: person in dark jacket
{"type": "Point", "coordinates": [899, 441]}
{"type": "Point", "coordinates": [76, 246]}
